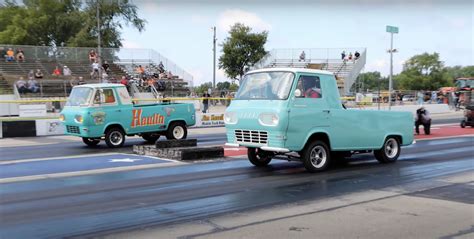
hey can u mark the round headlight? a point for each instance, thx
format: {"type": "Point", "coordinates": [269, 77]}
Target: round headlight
{"type": "Point", "coordinates": [230, 118]}
{"type": "Point", "coordinates": [78, 118]}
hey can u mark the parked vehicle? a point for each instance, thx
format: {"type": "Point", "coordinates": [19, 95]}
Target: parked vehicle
{"type": "Point", "coordinates": [297, 113]}
{"type": "Point", "coordinates": [408, 98]}
{"type": "Point", "coordinates": [106, 111]}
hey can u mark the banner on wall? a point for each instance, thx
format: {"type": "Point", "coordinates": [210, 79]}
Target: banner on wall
{"type": "Point", "coordinates": [209, 119]}
{"type": "Point", "coordinates": [32, 110]}
{"type": "Point", "coordinates": [49, 127]}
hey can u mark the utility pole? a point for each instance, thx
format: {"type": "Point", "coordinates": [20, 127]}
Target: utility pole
{"type": "Point", "coordinates": [99, 54]}
{"type": "Point", "coordinates": [214, 39]}
{"type": "Point", "coordinates": [391, 30]}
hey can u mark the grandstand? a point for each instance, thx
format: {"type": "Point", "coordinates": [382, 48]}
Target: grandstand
{"type": "Point", "coordinates": [329, 59]}
{"type": "Point", "coordinates": [122, 62]}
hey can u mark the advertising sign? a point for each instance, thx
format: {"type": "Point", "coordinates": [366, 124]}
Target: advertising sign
{"type": "Point", "coordinates": [32, 110]}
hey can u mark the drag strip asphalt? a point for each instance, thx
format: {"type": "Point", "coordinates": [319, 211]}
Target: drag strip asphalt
{"type": "Point", "coordinates": [94, 205]}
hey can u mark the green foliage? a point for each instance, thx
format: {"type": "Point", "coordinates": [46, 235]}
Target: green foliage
{"type": "Point", "coordinates": [233, 87]}
{"type": "Point", "coordinates": [223, 85]}
{"type": "Point", "coordinates": [69, 22]}
{"type": "Point", "coordinates": [423, 72]}
{"type": "Point", "coordinates": [203, 88]}
{"type": "Point", "coordinates": [370, 81]}
{"type": "Point", "coordinates": [241, 49]}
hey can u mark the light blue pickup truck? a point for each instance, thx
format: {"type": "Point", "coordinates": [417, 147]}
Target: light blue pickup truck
{"type": "Point", "coordinates": [297, 113]}
{"type": "Point", "coordinates": [106, 111]}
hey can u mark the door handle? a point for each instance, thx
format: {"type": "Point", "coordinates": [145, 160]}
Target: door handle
{"type": "Point", "coordinates": [118, 110]}
{"type": "Point", "coordinates": [327, 111]}
{"type": "Point", "coordinates": [300, 106]}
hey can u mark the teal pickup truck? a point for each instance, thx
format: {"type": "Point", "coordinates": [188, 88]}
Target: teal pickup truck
{"type": "Point", "coordinates": [297, 114]}
{"type": "Point", "coordinates": [106, 111]}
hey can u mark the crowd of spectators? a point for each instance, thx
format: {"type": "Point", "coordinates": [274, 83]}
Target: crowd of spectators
{"type": "Point", "coordinates": [350, 57]}
{"type": "Point", "coordinates": [10, 55]}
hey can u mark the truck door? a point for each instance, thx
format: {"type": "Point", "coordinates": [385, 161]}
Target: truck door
{"type": "Point", "coordinates": [106, 107]}
{"type": "Point", "coordinates": [308, 110]}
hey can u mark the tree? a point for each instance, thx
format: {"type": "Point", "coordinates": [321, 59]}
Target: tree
{"type": "Point", "coordinates": [423, 72]}
{"type": "Point", "coordinates": [69, 22]}
{"type": "Point", "coordinates": [241, 49]}
{"type": "Point", "coordinates": [203, 88]}
{"type": "Point", "coordinates": [223, 85]}
{"type": "Point", "coordinates": [370, 81]}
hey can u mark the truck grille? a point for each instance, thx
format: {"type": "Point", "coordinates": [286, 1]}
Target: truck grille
{"type": "Point", "coordinates": [72, 129]}
{"type": "Point", "coordinates": [251, 136]}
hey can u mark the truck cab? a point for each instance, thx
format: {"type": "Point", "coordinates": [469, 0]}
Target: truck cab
{"type": "Point", "coordinates": [297, 113]}
{"type": "Point", "coordinates": [106, 111]}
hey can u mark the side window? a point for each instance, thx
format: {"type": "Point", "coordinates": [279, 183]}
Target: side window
{"type": "Point", "coordinates": [106, 96]}
{"type": "Point", "coordinates": [124, 96]}
{"type": "Point", "coordinates": [310, 87]}
{"type": "Point", "coordinates": [109, 96]}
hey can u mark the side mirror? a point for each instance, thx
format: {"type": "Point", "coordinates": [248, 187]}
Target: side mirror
{"type": "Point", "coordinates": [297, 93]}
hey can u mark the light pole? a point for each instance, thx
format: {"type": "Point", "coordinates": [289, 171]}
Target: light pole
{"type": "Point", "coordinates": [214, 40]}
{"type": "Point", "coordinates": [391, 30]}
{"type": "Point", "coordinates": [99, 55]}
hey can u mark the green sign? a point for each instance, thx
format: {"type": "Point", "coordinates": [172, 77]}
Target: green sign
{"type": "Point", "coordinates": [392, 29]}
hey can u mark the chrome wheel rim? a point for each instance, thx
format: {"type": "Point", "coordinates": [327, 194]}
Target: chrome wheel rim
{"type": "Point", "coordinates": [116, 138]}
{"type": "Point", "coordinates": [318, 156]}
{"type": "Point", "coordinates": [391, 148]}
{"type": "Point", "coordinates": [178, 132]}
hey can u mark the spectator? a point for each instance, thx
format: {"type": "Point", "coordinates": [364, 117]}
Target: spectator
{"type": "Point", "coordinates": [38, 74]}
{"type": "Point", "coordinates": [81, 80]}
{"type": "Point", "coordinates": [420, 97]}
{"type": "Point", "coordinates": [73, 82]}
{"type": "Point", "coordinates": [10, 55]}
{"type": "Point", "coordinates": [357, 55]}
{"type": "Point", "coordinates": [3, 52]}
{"type": "Point", "coordinates": [169, 75]}
{"type": "Point", "coordinates": [124, 80]}
{"type": "Point", "coordinates": [92, 56]}
{"type": "Point", "coordinates": [33, 85]}
{"type": "Point", "coordinates": [343, 55]}
{"type": "Point", "coordinates": [350, 56]}
{"type": "Point", "coordinates": [31, 74]}
{"type": "Point", "coordinates": [205, 102]}
{"type": "Point", "coordinates": [21, 86]}
{"type": "Point", "coordinates": [422, 118]}
{"type": "Point", "coordinates": [20, 56]}
{"type": "Point", "coordinates": [302, 56]}
{"type": "Point", "coordinates": [95, 69]}
{"type": "Point", "coordinates": [106, 66]}
{"type": "Point", "coordinates": [105, 77]}
{"type": "Point", "coordinates": [161, 67]}
{"type": "Point", "coordinates": [434, 96]}
{"type": "Point", "coordinates": [67, 71]}
{"type": "Point", "coordinates": [56, 71]}
{"type": "Point", "coordinates": [140, 70]}
{"type": "Point", "coordinates": [162, 75]}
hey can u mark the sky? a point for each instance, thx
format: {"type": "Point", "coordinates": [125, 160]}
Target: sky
{"type": "Point", "coordinates": [181, 29]}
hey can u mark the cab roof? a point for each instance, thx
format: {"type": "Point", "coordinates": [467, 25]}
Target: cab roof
{"type": "Point", "coordinates": [294, 70]}
{"type": "Point", "coordinates": [101, 85]}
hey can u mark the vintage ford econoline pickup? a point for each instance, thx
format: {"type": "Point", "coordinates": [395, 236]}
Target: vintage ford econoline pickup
{"type": "Point", "coordinates": [297, 113]}
{"type": "Point", "coordinates": [96, 111]}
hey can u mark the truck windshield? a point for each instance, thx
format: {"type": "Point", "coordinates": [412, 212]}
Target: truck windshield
{"type": "Point", "coordinates": [79, 96]}
{"type": "Point", "coordinates": [272, 85]}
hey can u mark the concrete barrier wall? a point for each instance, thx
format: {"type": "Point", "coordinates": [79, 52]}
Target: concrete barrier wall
{"type": "Point", "coordinates": [432, 108]}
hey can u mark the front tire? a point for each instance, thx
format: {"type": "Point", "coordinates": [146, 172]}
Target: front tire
{"type": "Point", "coordinates": [463, 124]}
{"type": "Point", "coordinates": [316, 156]}
{"type": "Point", "coordinates": [114, 137]}
{"type": "Point", "coordinates": [258, 157]}
{"type": "Point", "coordinates": [389, 152]}
{"type": "Point", "coordinates": [177, 130]}
{"type": "Point", "coordinates": [91, 142]}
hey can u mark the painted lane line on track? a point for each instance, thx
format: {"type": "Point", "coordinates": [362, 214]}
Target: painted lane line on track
{"type": "Point", "coordinates": [446, 137]}
{"type": "Point", "coordinates": [88, 172]}
{"type": "Point", "coordinates": [55, 158]}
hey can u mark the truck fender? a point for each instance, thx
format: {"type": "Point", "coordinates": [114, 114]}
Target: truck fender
{"type": "Point", "coordinates": [317, 133]}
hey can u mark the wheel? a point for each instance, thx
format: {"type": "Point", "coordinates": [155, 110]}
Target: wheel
{"type": "Point", "coordinates": [258, 157]}
{"type": "Point", "coordinates": [177, 130]}
{"type": "Point", "coordinates": [316, 156]}
{"type": "Point", "coordinates": [463, 124]}
{"type": "Point", "coordinates": [151, 138]}
{"type": "Point", "coordinates": [114, 137]}
{"type": "Point", "coordinates": [389, 152]}
{"type": "Point", "coordinates": [90, 141]}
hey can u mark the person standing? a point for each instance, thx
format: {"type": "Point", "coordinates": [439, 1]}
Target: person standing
{"type": "Point", "coordinates": [420, 96]}
{"type": "Point", "coordinates": [422, 118]}
{"type": "Point", "coordinates": [302, 56]}
{"type": "Point", "coordinates": [343, 55]}
{"type": "Point", "coordinates": [205, 102]}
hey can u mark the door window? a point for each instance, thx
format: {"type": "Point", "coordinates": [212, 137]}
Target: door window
{"type": "Point", "coordinates": [310, 87]}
